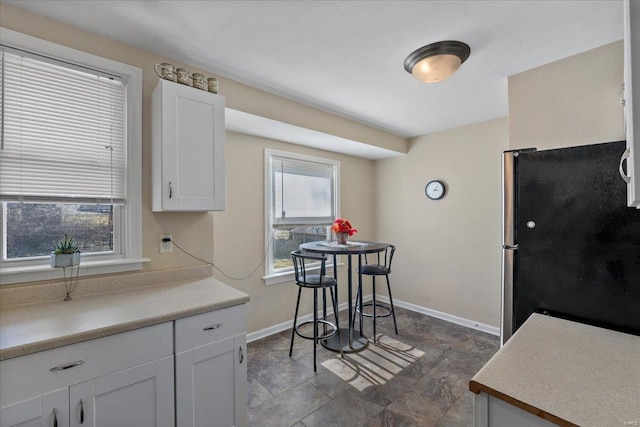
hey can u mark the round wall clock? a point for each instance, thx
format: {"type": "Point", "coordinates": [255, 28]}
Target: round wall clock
{"type": "Point", "coordinates": [435, 190]}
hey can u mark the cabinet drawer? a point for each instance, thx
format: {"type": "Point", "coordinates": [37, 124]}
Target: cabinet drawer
{"type": "Point", "coordinates": [31, 375]}
{"type": "Point", "coordinates": [201, 329]}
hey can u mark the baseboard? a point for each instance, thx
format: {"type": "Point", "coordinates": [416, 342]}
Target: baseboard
{"type": "Point", "coordinates": [493, 330]}
{"type": "Point", "coordinates": [272, 330]}
{"type": "Point", "coordinates": [263, 333]}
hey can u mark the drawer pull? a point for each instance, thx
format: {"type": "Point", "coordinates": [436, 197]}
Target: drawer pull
{"type": "Point", "coordinates": [241, 354]}
{"type": "Point", "coordinates": [55, 417]}
{"type": "Point", "coordinates": [67, 366]}
{"type": "Point", "coordinates": [212, 327]}
{"type": "Point", "coordinates": [81, 411]}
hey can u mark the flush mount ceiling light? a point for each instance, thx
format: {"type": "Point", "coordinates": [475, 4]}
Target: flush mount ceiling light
{"type": "Point", "coordinates": [437, 61]}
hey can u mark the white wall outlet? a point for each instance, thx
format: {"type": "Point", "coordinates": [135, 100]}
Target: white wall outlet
{"type": "Point", "coordinates": [166, 243]}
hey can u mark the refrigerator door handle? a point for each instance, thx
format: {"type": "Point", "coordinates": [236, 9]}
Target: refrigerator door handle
{"type": "Point", "coordinates": [508, 199]}
{"type": "Point", "coordinates": [625, 156]}
{"type": "Point", "coordinates": [506, 327]}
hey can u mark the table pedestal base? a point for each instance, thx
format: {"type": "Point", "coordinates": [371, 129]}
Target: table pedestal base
{"type": "Point", "coordinates": [358, 344]}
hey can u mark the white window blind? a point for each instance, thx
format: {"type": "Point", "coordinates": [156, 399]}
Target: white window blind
{"type": "Point", "coordinates": [63, 132]}
{"type": "Point", "coordinates": [302, 192]}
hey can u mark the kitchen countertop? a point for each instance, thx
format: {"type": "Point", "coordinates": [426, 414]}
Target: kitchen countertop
{"type": "Point", "coordinates": [31, 328]}
{"type": "Point", "coordinates": [567, 372]}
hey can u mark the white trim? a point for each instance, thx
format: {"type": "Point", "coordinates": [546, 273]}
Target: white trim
{"type": "Point", "coordinates": [493, 330]}
{"type": "Point", "coordinates": [132, 231]}
{"type": "Point", "coordinates": [271, 330]}
{"type": "Point", "coordinates": [46, 272]}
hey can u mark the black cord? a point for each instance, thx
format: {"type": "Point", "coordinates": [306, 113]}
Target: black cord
{"type": "Point", "coordinates": [220, 270]}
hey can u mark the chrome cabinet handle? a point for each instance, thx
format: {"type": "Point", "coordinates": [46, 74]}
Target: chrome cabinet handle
{"type": "Point", "coordinates": [67, 366]}
{"type": "Point", "coordinates": [170, 190]}
{"type": "Point", "coordinates": [621, 96]}
{"type": "Point", "coordinates": [212, 327]}
{"type": "Point", "coordinates": [55, 417]}
{"type": "Point", "coordinates": [81, 411]}
{"type": "Point", "coordinates": [241, 354]}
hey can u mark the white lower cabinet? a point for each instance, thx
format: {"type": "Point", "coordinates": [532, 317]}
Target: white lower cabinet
{"type": "Point", "coordinates": [141, 396]}
{"type": "Point", "coordinates": [489, 411]}
{"type": "Point", "coordinates": [119, 380]}
{"type": "Point", "coordinates": [211, 378]}
{"type": "Point", "coordinates": [127, 379]}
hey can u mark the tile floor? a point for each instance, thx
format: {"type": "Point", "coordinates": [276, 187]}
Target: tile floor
{"type": "Point", "coordinates": [416, 378]}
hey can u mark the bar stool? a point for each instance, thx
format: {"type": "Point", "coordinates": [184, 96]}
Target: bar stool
{"type": "Point", "coordinates": [382, 268]}
{"type": "Point", "coordinates": [315, 282]}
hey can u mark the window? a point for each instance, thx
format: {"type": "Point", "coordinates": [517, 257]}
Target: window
{"type": "Point", "coordinates": [302, 200]}
{"type": "Point", "coordinates": [70, 158]}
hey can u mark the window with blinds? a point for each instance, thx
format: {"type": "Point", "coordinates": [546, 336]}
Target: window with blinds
{"type": "Point", "coordinates": [63, 156]}
{"type": "Point", "coordinates": [63, 132]}
{"type": "Point", "coordinates": [302, 194]}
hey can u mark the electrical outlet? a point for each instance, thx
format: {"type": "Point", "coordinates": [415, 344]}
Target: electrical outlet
{"type": "Point", "coordinates": [166, 243]}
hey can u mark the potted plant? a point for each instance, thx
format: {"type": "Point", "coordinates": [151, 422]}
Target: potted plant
{"type": "Point", "coordinates": [65, 253]}
{"type": "Point", "coordinates": [342, 228]}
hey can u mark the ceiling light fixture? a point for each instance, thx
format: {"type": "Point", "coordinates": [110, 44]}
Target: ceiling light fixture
{"type": "Point", "coordinates": [437, 61]}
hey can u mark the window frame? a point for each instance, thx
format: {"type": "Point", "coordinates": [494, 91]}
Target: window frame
{"type": "Point", "coordinates": [130, 230]}
{"type": "Point", "coordinates": [284, 275]}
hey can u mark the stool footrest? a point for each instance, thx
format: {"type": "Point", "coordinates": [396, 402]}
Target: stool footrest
{"type": "Point", "coordinates": [322, 336]}
{"type": "Point", "coordinates": [387, 310]}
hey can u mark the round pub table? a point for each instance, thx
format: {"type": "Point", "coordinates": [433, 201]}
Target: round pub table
{"type": "Point", "coordinates": [350, 340]}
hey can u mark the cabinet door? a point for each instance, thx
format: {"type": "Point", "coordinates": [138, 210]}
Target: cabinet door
{"type": "Point", "coordinates": [211, 384]}
{"type": "Point", "coordinates": [141, 396]}
{"type": "Point", "coordinates": [49, 410]}
{"type": "Point", "coordinates": [192, 149]}
{"type": "Point", "coordinates": [632, 98]}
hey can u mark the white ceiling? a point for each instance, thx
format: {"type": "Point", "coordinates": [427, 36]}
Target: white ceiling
{"type": "Point", "coordinates": [346, 57]}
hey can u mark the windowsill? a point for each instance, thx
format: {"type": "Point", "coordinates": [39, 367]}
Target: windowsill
{"type": "Point", "coordinates": [46, 272]}
{"type": "Point", "coordinates": [289, 276]}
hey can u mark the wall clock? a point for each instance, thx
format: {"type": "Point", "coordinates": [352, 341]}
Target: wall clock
{"type": "Point", "coordinates": [435, 189]}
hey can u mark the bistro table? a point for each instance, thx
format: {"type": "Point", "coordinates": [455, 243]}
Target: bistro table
{"type": "Point", "coordinates": [349, 341]}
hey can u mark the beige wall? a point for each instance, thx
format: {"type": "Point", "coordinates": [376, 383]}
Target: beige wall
{"type": "Point", "coordinates": [448, 251]}
{"type": "Point", "coordinates": [239, 230]}
{"type": "Point", "coordinates": [573, 101]}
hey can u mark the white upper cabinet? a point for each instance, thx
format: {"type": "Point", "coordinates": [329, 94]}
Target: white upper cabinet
{"type": "Point", "coordinates": [187, 149]}
{"type": "Point", "coordinates": [632, 100]}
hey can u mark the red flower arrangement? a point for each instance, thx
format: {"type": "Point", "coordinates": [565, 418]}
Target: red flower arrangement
{"type": "Point", "coordinates": [341, 225]}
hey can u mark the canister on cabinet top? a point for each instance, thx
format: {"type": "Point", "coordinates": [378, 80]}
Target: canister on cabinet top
{"type": "Point", "coordinates": [183, 76]}
{"type": "Point", "coordinates": [212, 84]}
{"type": "Point", "coordinates": [198, 81]}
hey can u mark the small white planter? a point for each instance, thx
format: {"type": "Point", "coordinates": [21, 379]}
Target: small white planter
{"type": "Point", "coordinates": [65, 260]}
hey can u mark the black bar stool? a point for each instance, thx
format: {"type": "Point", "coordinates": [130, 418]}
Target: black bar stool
{"type": "Point", "coordinates": [315, 282]}
{"type": "Point", "coordinates": [382, 268]}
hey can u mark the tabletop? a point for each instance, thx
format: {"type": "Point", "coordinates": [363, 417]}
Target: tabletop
{"type": "Point", "coordinates": [352, 247]}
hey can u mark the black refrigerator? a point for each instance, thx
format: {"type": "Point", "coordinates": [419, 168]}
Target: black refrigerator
{"type": "Point", "coordinates": [571, 246]}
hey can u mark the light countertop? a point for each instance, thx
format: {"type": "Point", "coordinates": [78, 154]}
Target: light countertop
{"type": "Point", "coordinates": [567, 372]}
{"type": "Point", "coordinates": [31, 328]}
